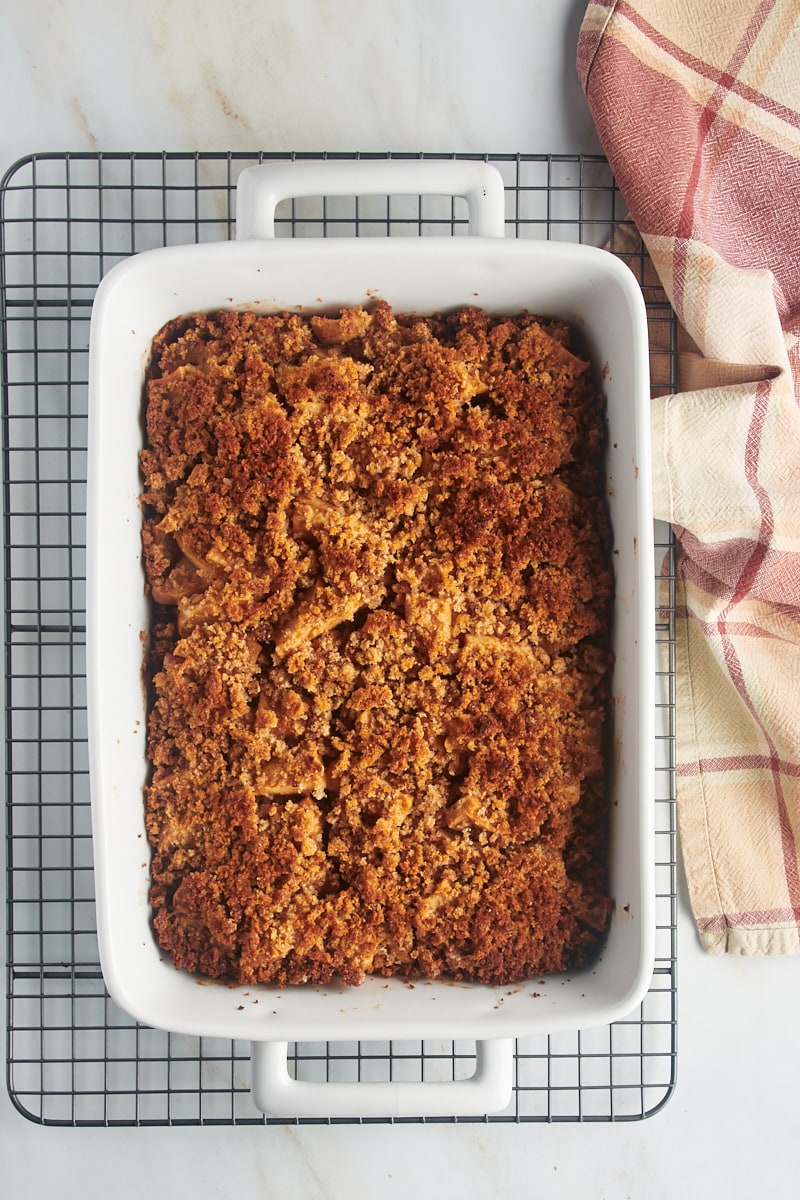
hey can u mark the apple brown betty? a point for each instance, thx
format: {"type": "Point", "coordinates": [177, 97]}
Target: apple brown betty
{"type": "Point", "coordinates": [378, 557]}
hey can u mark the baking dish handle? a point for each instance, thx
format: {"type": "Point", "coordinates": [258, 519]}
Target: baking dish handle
{"type": "Point", "coordinates": [488, 1090]}
{"type": "Point", "coordinates": [260, 189]}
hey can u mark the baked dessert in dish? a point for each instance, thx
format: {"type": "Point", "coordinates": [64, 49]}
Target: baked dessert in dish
{"type": "Point", "coordinates": [378, 667]}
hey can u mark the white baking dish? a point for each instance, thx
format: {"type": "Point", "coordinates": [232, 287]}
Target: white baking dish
{"type": "Point", "coordinates": [583, 285]}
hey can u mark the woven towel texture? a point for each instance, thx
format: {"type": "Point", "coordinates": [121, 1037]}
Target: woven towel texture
{"type": "Point", "coordinates": [697, 105]}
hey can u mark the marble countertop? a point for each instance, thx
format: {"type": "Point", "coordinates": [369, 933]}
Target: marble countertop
{"type": "Point", "coordinates": [401, 75]}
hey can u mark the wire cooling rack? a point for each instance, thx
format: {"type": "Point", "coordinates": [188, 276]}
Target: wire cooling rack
{"type": "Point", "coordinates": [73, 1057]}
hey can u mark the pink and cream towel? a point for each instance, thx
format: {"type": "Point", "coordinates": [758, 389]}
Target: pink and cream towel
{"type": "Point", "coordinates": [697, 105]}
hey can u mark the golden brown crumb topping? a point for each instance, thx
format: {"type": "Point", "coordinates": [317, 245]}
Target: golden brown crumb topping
{"type": "Point", "coordinates": [378, 556]}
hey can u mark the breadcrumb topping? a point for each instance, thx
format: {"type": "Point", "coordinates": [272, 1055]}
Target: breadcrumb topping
{"type": "Point", "coordinates": [378, 557]}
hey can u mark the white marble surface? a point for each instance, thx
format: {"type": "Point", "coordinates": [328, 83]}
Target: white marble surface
{"type": "Point", "coordinates": [384, 75]}
{"type": "Point", "coordinates": [292, 75]}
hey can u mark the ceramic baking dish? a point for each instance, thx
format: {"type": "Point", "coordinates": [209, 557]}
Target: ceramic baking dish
{"type": "Point", "coordinates": [583, 285]}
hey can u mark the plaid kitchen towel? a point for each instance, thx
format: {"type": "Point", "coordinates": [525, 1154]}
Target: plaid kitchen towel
{"type": "Point", "coordinates": [697, 105]}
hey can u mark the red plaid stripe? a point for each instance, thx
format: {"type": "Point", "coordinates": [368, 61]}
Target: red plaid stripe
{"type": "Point", "coordinates": [698, 108]}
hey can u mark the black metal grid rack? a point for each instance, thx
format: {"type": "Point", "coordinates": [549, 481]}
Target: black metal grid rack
{"type": "Point", "coordinates": [73, 1057]}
